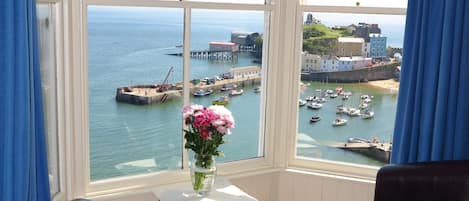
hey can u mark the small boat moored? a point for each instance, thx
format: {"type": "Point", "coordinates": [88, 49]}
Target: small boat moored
{"type": "Point", "coordinates": [339, 122]}
{"type": "Point", "coordinates": [236, 92]}
{"type": "Point", "coordinates": [301, 102]}
{"type": "Point", "coordinates": [201, 92]}
{"type": "Point", "coordinates": [315, 105]}
{"type": "Point", "coordinates": [222, 100]}
{"type": "Point", "coordinates": [315, 119]}
{"type": "Point", "coordinates": [368, 114]}
{"type": "Point", "coordinates": [257, 90]}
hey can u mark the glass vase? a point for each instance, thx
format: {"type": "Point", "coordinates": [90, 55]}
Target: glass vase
{"type": "Point", "coordinates": [203, 172]}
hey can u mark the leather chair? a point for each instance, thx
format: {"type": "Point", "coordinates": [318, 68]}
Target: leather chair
{"type": "Point", "coordinates": [431, 181]}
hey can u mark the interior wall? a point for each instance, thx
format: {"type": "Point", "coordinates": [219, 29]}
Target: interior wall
{"type": "Point", "coordinates": [293, 185]}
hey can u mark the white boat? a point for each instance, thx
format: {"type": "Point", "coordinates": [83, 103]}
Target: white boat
{"type": "Point", "coordinates": [363, 106]}
{"type": "Point", "coordinates": [368, 115]}
{"type": "Point", "coordinates": [315, 105]}
{"type": "Point", "coordinates": [236, 92]}
{"type": "Point", "coordinates": [321, 100]}
{"type": "Point", "coordinates": [339, 122]}
{"type": "Point", "coordinates": [333, 96]}
{"type": "Point", "coordinates": [318, 90]}
{"type": "Point", "coordinates": [329, 91]}
{"type": "Point", "coordinates": [227, 87]}
{"type": "Point", "coordinates": [353, 112]}
{"type": "Point", "coordinates": [358, 140]}
{"type": "Point", "coordinates": [301, 102]}
{"type": "Point", "coordinates": [311, 98]}
{"type": "Point", "coordinates": [364, 96]}
{"type": "Point", "coordinates": [315, 119]}
{"type": "Point", "coordinates": [257, 90]}
{"type": "Point", "coordinates": [368, 100]}
{"type": "Point", "coordinates": [202, 92]}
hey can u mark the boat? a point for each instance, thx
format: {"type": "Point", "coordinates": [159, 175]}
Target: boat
{"type": "Point", "coordinates": [301, 102]}
{"type": "Point", "coordinates": [353, 112]}
{"type": "Point", "coordinates": [368, 115]}
{"type": "Point", "coordinates": [311, 98]}
{"type": "Point", "coordinates": [315, 105]}
{"type": "Point", "coordinates": [329, 91]}
{"type": "Point", "coordinates": [339, 122]}
{"type": "Point", "coordinates": [368, 100]}
{"type": "Point", "coordinates": [345, 97]}
{"type": "Point", "coordinates": [358, 140]}
{"type": "Point", "coordinates": [236, 92]}
{"type": "Point", "coordinates": [333, 96]}
{"type": "Point", "coordinates": [228, 87]}
{"type": "Point", "coordinates": [318, 90]}
{"type": "Point", "coordinates": [257, 90]}
{"type": "Point", "coordinates": [321, 100]}
{"type": "Point", "coordinates": [201, 92]}
{"type": "Point", "coordinates": [364, 97]}
{"type": "Point", "coordinates": [222, 100]}
{"type": "Point", "coordinates": [363, 106]}
{"type": "Point", "coordinates": [315, 119]}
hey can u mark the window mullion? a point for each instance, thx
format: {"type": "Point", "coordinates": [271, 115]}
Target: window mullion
{"type": "Point", "coordinates": [186, 73]}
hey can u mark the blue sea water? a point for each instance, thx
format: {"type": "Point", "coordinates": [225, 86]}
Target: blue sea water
{"type": "Point", "coordinates": [129, 46]}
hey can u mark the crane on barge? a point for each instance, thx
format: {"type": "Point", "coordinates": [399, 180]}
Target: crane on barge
{"type": "Point", "coordinates": [165, 85]}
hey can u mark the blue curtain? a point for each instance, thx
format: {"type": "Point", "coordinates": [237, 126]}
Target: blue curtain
{"type": "Point", "coordinates": [23, 159]}
{"type": "Point", "coordinates": [432, 121]}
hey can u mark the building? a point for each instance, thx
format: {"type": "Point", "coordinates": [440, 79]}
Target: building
{"type": "Point", "coordinates": [363, 30]}
{"type": "Point", "coordinates": [223, 47]}
{"type": "Point", "coordinates": [377, 46]}
{"type": "Point", "coordinates": [311, 20]}
{"type": "Point", "coordinates": [348, 46]}
{"type": "Point", "coordinates": [243, 72]}
{"type": "Point", "coordinates": [310, 62]}
{"type": "Point", "coordinates": [244, 38]}
{"type": "Point", "coordinates": [366, 50]}
{"type": "Point", "coordinates": [351, 63]}
{"type": "Point", "coordinates": [329, 64]}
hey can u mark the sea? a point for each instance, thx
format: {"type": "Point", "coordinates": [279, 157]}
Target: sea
{"type": "Point", "coordinates": [130, 46]}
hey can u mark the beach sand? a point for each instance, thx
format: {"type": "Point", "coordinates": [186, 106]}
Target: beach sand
{"type": "Point", "coordinates": [391, 85]}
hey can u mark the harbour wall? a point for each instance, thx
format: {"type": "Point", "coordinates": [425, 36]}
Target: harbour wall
{"type": "Point", "coordinates": [382, 72]}
{"type": "Point", "coordinates": [147, 94]}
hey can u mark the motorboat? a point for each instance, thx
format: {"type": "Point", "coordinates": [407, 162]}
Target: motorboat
{"type": "Point", "coordinates": [329, 91]}
{"type": "Point", "coordinates": [363, 106]}
{"type": "Point", "coordinates": [333, 96]}
{"type": "Point", "coordinates": [321, 100]}
{"type": "Point", "coordinates": [222, 100]}
{"type": "Point", "coordinates": [364, 97]}
{"type": "Point", "coordinates": [368, 100]}
{"type": "Point", "coordinates": [301, 102]}
{"type": "Point", "coordinates": [236, 92]}
{"type": "Point", "coordinates": [201, 92]}
{"type": "Point", "coordinates": [315, 119]}
{"type": "Point", "coordinates": [315, 105]}
{"type": "Point", "coordinates": [368, 115]}
{"type": "Point", "coordinates": [345, 97]}
{"type": "Point", "coordinates": [339, 122]}
{"type": "Point", "coordinates": [358, 140]}
{"type": "Point", "coordinates": [228, 87]}
{"type": "Point", "coordinates": [311, 98]}
{"type": "Point", "coordinates": [257, 90]}
{"type": "Point", "coordinates": [353, 112]}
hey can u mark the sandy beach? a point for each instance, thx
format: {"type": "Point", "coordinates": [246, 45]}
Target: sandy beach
{"type": "Point", "coordinates": [391, 85]}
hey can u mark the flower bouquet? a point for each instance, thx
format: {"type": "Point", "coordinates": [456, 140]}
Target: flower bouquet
{"type": "Point", "coordinates": [205, 129]}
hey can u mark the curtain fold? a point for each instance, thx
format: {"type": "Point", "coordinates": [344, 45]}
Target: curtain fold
{"type": "Point", "coordinates": [432, 121]}
{"type": "Point", "coordinates": [23, 159]}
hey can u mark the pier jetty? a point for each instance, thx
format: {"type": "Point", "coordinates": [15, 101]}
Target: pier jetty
{"type": "Point", "coordinates": [377, 151]}
{"type": "Point", "coordinates": [152, 94]}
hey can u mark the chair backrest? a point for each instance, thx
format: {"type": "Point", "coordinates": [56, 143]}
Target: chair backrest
{"type": "Point", "coordinates": [432, 181]}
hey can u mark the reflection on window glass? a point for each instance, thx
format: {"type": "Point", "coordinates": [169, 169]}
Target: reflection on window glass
{"type": "Point", "coordinates": [135, 89]}
{"type": "Point", "coordinates": [362, 3]}
{"type": "Point", "coordinates": [226, 61]}
{"type": "Point", "coordinates": [350, 68]}
{"type": "Point", "coordinates": [47, 59]}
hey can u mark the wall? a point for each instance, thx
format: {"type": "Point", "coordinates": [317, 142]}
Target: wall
{"type": "Point", "coordinates": [291, 185]}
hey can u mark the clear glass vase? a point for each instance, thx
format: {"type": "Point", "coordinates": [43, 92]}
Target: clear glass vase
{"type": "Point", "coordinates": [203, 173]}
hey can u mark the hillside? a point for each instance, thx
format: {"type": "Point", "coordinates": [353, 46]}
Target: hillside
{"type": "Point", "coordinates": [319, 39]}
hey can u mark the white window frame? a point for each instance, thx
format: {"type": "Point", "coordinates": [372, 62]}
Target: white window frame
{"type": "Point", "coordinates": [61, 60]}
{"type": "Point", "coordinates": [321, 165]}
{"type": "Point", "coordinates": [76, 101]}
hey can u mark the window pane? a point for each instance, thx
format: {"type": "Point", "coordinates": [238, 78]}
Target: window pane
{"type": "Point", "coordinates": [362, 3]}
{"type": "Point", "coordinates": [47, 59]}
{"type": "Point", "coordinates": [349, 67]}
{"type": "Point", "coordinates": [232, 1]}
{"type": "Point", "coordinates": [228, 52]}
{"type": "Point", "coordinates": [134, 110]}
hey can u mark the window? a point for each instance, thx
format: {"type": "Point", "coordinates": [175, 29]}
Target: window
{"type": "Point", "coordinates": [46, 24]}
{"type": "Point", "coordinates": [361, 3]}
{"type": "Point", "coordinates": [349, 107]}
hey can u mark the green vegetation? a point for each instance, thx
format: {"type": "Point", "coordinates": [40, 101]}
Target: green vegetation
{"type": "Point", "coordinates": [319, 39]}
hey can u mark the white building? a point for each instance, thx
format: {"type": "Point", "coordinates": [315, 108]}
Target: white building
{"type": "Point", "coordinates": [350, 63]}
{"type": "Point", "coordinates": [366, 50]}
{"type": "Point", "coordinates": [310, 62]}
{"type": "Point", "coordinates": [243, 72]}
{"type": "Point", "coordinates": [329, 64]}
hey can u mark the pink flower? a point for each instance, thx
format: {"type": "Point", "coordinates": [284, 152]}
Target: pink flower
{"type": "Point", "coordinates": [205, 134]}
{"type": "Point", "coordinates": [222, 130]}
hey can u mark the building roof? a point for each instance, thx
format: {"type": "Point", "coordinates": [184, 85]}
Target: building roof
{"type": "Point", "coordinates": [350, 40]}
{"type": "Point", "coordinates": [356, 58]}
{"type": "Point", "coordinates": [222, 43]}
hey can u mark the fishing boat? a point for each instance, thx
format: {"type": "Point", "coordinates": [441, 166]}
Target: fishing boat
{"type": "Point", "coordinates": [201, 92]}
{"type": "Point", "coordinates": [301, 102]}
{"type": "Point", "coordinates": [339, 122]}
{"type": "Point", "coordinates": [236, 92]}
{"type": "Point", "coordinates": [315, 119]}
{"type": "Point", "coordinates": [315, 105]}
{"type": "Point", "coordinates": [222, 100]}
